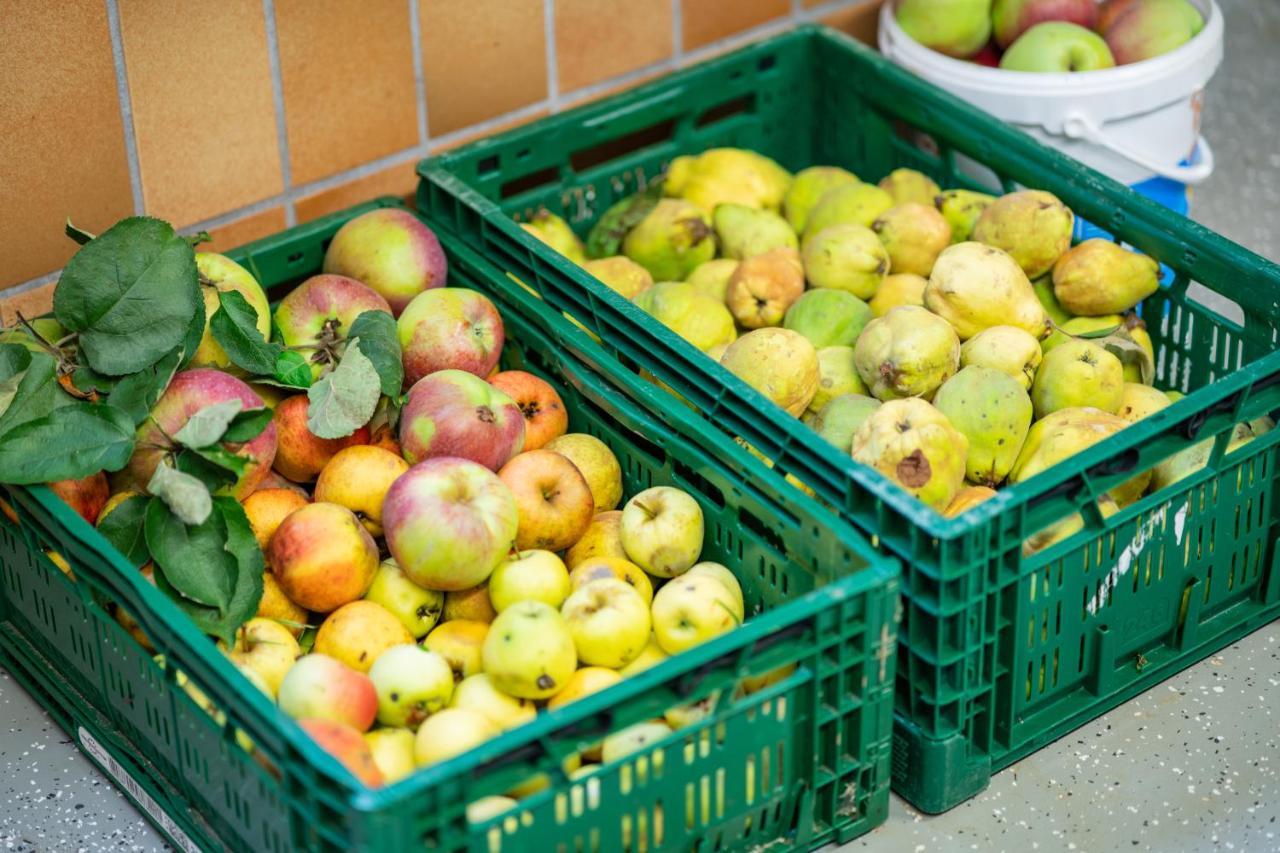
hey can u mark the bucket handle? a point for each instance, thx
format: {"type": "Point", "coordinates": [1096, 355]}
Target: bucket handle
{"type": "Point", "coordinates": [1079, 126]}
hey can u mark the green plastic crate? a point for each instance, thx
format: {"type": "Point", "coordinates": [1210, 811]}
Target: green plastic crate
{"type": "Point", "coordinates": [970, 696]}
{"type": "Point", "coordinates": [802, 762]}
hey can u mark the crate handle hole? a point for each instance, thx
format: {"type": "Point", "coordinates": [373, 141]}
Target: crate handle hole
{"type": "Point", "coordinates": [620, 146]}
{"type": "Point", "coordinates": [532, 181]}
{"type": "Point", "coordinates": [726, 110]}
{"type": "Point", "coordinates": [487, 164]}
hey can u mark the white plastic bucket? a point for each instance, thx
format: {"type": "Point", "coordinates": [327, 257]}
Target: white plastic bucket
{"type": "Point", "coordinates": [1139, 123]}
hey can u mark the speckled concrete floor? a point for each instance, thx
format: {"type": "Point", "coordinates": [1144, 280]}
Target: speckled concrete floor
{"type": "Point", "coordinates": [1190, 765]}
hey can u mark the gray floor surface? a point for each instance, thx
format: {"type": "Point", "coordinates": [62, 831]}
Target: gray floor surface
{"type": "Point", "coordinates": [1191, 765]}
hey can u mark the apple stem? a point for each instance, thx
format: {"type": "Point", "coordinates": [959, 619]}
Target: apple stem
{"type": "Point", "coordinates": [646, 509]}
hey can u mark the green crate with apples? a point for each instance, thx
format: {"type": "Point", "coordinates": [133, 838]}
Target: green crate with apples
{"type": "Point", "coordinates": [788, 237]}
{"type": "Point", "coordinates": [750, 704]}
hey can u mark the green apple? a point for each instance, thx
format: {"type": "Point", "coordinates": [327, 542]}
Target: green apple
{"type": "Point", "coordinates": [957, 28]}
{"type": "Point", "coordinates": [417, 608]}
{"type": "Point", "coordinates": [828, 317]}
{"type": "Point", "coordinates": [412, 684]}
{"type": "Point", "coordinates": [662, 531]}
{"type": "Point", "coordinates": [529, 651]}
{"type": "Point", "coordinates": [225, 275]}
{"type": "Point", "coordinates": [267, 648]}
{"type": "Point", "coordinates": [609, 622]}
{"type": "Point", "coordinates": [692, 610]}
{"type": "Point", "coordinates": [1058, 46]}
{"type": "Point", "coordinates": [529, 576]}
{"type": "Point", "coordinates": [632, 739]}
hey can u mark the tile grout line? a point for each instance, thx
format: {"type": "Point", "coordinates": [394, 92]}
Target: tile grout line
{"type": "Point", "coordinates": [827, 8]}
{"type": "Point", "coordinates": [419, 76]}
{"type": "Point", "coordinates": [126, 108]}
{"type": "Point", "coordinates": [277, 96]}
{"type": "Point", "coordinates": [553, 68]}
{"type": "Point", "coordinates": [677, 32]}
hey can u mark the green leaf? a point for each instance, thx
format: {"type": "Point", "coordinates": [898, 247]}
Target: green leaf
{"type": "Point", "coordinates": [192, 558]}
{"type": "Point", "coordinates": [605, 239]}
{"type": "Point", "coordinates": [14, 361]}
{"type": "Point", "coordinates": [235, 327]}
{"type": "Point", "coordinates": [69, 443]}
{"type": "Point", "coordinates": [207, 466]}
{"type": "Point", "coordinates": [87, 379]}
{"type": "Point", "coordinates": [292, 370]}
{"type": "Point", "coordinates": [124, 527]}
{"type": "Point", "coordinates": [247, 425]}
{"type": "Point", "coordinates": [130, 293]}
{"type": "Point", "coordinates": [38, 394]}
{"type": "Point", "coordinates": [225, 459]}
{"type": "Point", "coordinates": [381, 343]}
{"type": "Point", "coordinates": [344, 399]}
{"type": "Point", "coordinates": [186, 496]}
{"type": "Point", "coordinates": [197, 238]}
{"type": "Point", "coordinates": [197, 325]}
{"type": "Point", "coordinates": [138, 392]}
{"type": "Point", "coordinates": [79, 235]}
{"type": "Point", "coordinates": [1096, 333]}
{"type": "Point", "coordinates": [207, 425]}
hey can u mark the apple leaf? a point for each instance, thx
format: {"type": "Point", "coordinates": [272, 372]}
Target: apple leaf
{"type": "Point", "coordinates": [1096, 334]}
{"type": "Point", "coordinates": [345, 398]}
{"type": "Point", "coordinates": [192, 557]}
{"type": "Point", "coordinates": [235, 327]}
{"type": "Point", "coordinates": [186, 496]}
{"type": "Point", "coordinates": [37, 395]}
{"type": "Point", "coordinates": [14, 361]}
{"type": "Point", "coordinates": [381, 343]}
{"type": "Point", "coordinates": [292, 370]}
{"type": "Point", "coordinates": [130, 293]}
{"type": "Point", "coordinates": [67, 443]}
{"type": "Point", "coordinates": [206, 426]}
{"type": "Point", "coordinates": [213, 466]}
{"type": "Point", "coordinates": [197, 325]}
{"type": "Point", "coordinates": [608, 233]}
{"type": "Point", "coordinates": [136, 393]}
{"type": "Point", "coordinates": [247, 425]}
{"type": "Point", "coordinates": [123, 527]}
{"type": "Point", "coordinates": [79, 235]}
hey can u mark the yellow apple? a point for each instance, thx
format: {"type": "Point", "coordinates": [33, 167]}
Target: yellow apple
{"type": "Point", "coordinates": [478, 811]}
{"type": "Point", "coordinates": [358, 633]}
{"type": "Point", "coordinates": [266, 647]}
{"type": "Point", "coordinates": [274, 604]}
{"type": "Point", "coordinates": [597, 463]}
{"type": "Point", "coordinates": [662, 531]}
{"type": "Point", "coordinates": [689, 611]}
{"type": "Point", "coordinates": [471, 604]}
{"type": "Point", "coordinates": [618, 568]}
{"type": "Point", "coordinates": [632, 739]}
{"type": "Point", "coordinates": [451, 732]}
{"type": "Point", "coordinates": [529, 576]}
{"type": "Point", "coordinates": [529, 651]}
{"type": "Point", "coordinates": [603, 538]}
{"type": "Point", "coordinates": [412, 684]}
{"type": "Point", "coordinates": [722, 574]}
{"type": "Point", "coordinates": [460, 643]}
{"type": "Point", "coordinates": [392, 752]}
{"type": "Point", "coordinates": [609, 622]}
{"type": "Point", "coordinates": [358, 478]}
{"type": "Point", "coordinates": [584, 682]}
{"type": "Point", "coordinates": [651, 655]}
{"type": "Point", "coordinates": [224, 274]}
{"type": "Point", "coordinates": [477, 693]}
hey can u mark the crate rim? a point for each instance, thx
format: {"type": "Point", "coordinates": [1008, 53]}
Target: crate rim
{"type": "Point", "coordinates": [212, 671]}
{"type": "Point", "coordinates": [436, 169]}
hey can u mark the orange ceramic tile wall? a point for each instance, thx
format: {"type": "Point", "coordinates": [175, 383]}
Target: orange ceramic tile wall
{"type": "Point", "coordinates": [243, 117]}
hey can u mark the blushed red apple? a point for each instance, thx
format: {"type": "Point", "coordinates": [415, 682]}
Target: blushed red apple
{"type": "Point", "coordinates": [331, 302]}
{"type": "Point", "coordinates": [390, 250]}
{"type": "Point", "coordinates": [453, 413]}
{"type": "Point", "coordinates": [300, 454]}
{"type": "Point", "coordinates": [450, 328]}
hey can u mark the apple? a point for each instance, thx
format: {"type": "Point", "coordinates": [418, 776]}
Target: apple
{"type": "Point", "coordinates": [485, 808]}
{"type": "Point", "coordinates": [323, 557]}
{"type": "Point", "coordinates": [452, 413]}
{"type": "Point", "coordinates": [412, 684]}
{"type": "Point", "coordinates": [392, 251]}
{"type": "Point", "coordinates": [609, 622]}
{"type": "Point", "coordinates": [620, 274]}
{"type": "Point", "coordinates": [989, 57]}
{"type": "Point", "coordinates": [957, 28]}
{"type": "Point", "coordinates": [651, 655]}
{"type": "Point", "coordinates": [267, 648]}
{"type": "Point", "coordinates": [358, 478]}
{"type": "Point", "coordinates": [529, 651]}
{"type": "Point", "coordinates": [392, 751]}
{"type": "Point", "coordinates": [126, 620]}
{"type": "Point", "coordinates": [1148, 28]}
{"type": "Point", "coordinates": [661, 531]}
{"type": "Point", "coordinates": [449, 522]}
{"type": "Point", "coordinates": [726, 578]}
{"type": "Point", "coordinates": [680, 716]}
{"type": "Point", "coordinates": [584, 682]}
{"type": "Point", "coordinates": [320, 311]}
{"type": "Point", "coordinates": [535, 575]}
{"type": "Point", "coordinates": [1012, 18]}
{"type": "Point", "coordinates": [478, 693]}
{"type": "Point", "coordinates": [692, 610]}
{"type": "Point", "coordinates": [417, 608]}
{"type": "Point", "coordinates": [348, 745]}
{"type": "Point", "coordinates": [300, 454]}
{"type": "Point", "coordinates": [318, 686]}
{"type": "Point", "coordinates": [88, 496]}
{"type": "Point", "coordinates": [617, 568]}
{"type": "Point", "coordinates": [224, 275]}
{"type": "Point", "coordinates": [461, 644]}
{"type": "Point", "coordinates": [274, 604]}
{"type": "Point", "coordinates": [597, 463]}
{"type": "Point", "coordinates": [189, 392]}
{"type": "Point", "coordinates": [1056, 47]}
{"type": "Point", "coordinates": [471, 604]}
{"type": "Point", "coordinates": [755, 683]}
{"type": "Point", "coordinates": [545, 418]}
{"type": "Point", "coordinates": [451, 732]}
{"type": "Point", "coordinates": [385, 438]}
{"type": "Point", "coordinates": [633, 739]}
{"type": "Point", "coordinates": [357, 634]}
{"type": "Point", "coordinates": [451, 328]}
{"type": "Point", "coordinates": [267, 508]}
{"type": "Point", "coordinates": [603, 538]}
{"type": "Point", "coordinates": [274, 480]}
{"type": "Point", "coordinates": [554, 501]}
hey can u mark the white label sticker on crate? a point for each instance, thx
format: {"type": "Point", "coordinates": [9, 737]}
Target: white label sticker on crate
{"type": "Point", "coordinates": [136, 792]}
